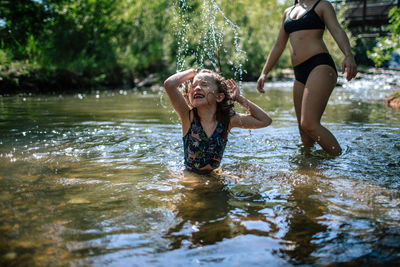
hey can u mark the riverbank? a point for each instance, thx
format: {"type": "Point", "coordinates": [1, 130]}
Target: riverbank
{"type": "Point", "coordinates": [26, 79]}
{"type": "Point", "coordinates": [30, 80]}
{"type": "Point", "coordinates": [392, 100]}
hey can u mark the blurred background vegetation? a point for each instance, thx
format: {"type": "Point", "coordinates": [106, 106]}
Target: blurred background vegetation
{"type": "Point", "coordinates": [81, 44]}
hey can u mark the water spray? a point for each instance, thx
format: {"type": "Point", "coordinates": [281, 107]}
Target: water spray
{"type": "Point", "coordinates": [202, 45]}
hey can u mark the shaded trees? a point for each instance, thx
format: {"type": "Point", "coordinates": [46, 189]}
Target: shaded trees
{"type": "Point", "coordinates": [386, 45]}
{"type": "Point", "coordinates": [104, 42]}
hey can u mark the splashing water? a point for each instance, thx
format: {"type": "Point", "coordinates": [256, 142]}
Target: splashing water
{"type": "Point", "coordinates": [183, 25]}
{"type": "Point", "coordinates": [200, 43]}
{"type": "Point", "coordinates": [106, 186]}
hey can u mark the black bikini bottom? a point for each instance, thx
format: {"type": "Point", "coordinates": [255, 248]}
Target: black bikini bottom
{"type": "Point", "coordinates": [303, 70]}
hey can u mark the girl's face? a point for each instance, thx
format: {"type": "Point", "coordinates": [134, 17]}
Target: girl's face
{"type": "Point", "coordinates": [204, 91]}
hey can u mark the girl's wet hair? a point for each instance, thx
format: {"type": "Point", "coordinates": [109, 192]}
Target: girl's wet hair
{"type": "Point", "coordinates": [224, 108]}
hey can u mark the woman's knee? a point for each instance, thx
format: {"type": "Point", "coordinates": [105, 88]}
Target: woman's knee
{"type": "Point", "coordinates": [309, 127]}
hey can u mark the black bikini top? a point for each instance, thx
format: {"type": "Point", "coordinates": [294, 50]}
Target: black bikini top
{"type": "Point", "coordinates": [309, 21]}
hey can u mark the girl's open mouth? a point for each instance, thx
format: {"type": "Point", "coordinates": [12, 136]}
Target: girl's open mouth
{"type": "Point", "coordinates": [198, 95]}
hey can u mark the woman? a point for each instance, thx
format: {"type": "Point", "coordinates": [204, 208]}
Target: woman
{"type": "Point", "coordinates": [315, 72]}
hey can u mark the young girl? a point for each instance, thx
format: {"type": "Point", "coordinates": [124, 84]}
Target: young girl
{"type": "Point", "coordinates": [207, 115]}
{"type": "Point", "coordinates": [314, 70]}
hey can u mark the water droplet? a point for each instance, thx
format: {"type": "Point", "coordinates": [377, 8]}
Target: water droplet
{"type": "Point", "coordinates": [210, 35]}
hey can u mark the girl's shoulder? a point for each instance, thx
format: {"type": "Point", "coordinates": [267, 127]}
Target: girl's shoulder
{"type": "Point", "coordinates": [235, 121]}
{"type": "Point", "coordinates": [193, 114]}
{"type": "Point", "coordinates": [186, 124]}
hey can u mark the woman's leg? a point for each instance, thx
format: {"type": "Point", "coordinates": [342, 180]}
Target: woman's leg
{"type": "Point", "coordinates": [317, 91]}
{"type": "Point", "coordinates": [298, 90]}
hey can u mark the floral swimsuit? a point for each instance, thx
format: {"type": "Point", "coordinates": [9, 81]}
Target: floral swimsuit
{"type": "Point", "coordinates": [201, 150]}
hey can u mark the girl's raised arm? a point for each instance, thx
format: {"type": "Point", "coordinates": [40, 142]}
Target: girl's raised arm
{"type": "Point", "coordinates": [257, 118]}
{"type": "Point", "coordinates": [177, 99]}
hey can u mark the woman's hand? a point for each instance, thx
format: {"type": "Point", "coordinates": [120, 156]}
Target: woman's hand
{"type": "Point", "coordinates": [349, 66]}
{"type": "Point", "coordinates": [233, 89]}
{"type": "Point", "coordinates": [260, 83]}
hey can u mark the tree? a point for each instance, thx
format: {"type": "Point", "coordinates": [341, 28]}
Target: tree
{"type": "Point", "coordinates": [106, 41]}
{"type": "Point", "coordinates": [23, 23]}
{"type": "Point", "coordinates": [386, 45]}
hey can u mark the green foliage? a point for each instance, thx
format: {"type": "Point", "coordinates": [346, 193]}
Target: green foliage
{"type": "Point", "coordinates": [113, 41]}
{"type": "Point", "coordinates": [5, 59]}
{"type": "Point", "coordinates": [381, 52]}
{"type": "Point", "coordinates": [259, 27]}
{"type": "Point", "coordinates": [23, 21]}
{"type": "Point", "coordinates": [100, 39]}
{"type": "Point", "coordinates": [241, 34]}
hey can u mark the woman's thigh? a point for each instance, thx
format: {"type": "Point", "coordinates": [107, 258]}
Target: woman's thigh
{"type": "Point", "coordinates": [317, 91]}
{"type": "Point", "coordinates": [298, 90]}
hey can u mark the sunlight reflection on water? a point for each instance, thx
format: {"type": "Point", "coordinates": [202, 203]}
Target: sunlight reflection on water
{"type": "Point", "coordinates": [106, 185]}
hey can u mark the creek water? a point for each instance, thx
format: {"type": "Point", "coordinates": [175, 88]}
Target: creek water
{"type": "Point", "coordinates": [97, 179]}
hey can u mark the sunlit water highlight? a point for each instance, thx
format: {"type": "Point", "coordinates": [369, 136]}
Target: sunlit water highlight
{"type": "Point", "coordinates": [98, 179]}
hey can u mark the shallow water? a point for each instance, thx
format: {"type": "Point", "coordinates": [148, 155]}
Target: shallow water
{"type": "Point", "coordinates": [97, 179]}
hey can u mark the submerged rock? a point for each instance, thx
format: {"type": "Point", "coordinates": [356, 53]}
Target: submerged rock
{"type": "Point", "coordinates": [10, 256]}
{"type": "Point", "coordinates": [78, 201]}
{"type": "Point", "coordinates": [393, 100]}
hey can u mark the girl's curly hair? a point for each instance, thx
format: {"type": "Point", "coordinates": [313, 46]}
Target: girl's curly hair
{"type": "Point", "coordinates": [224, 108]}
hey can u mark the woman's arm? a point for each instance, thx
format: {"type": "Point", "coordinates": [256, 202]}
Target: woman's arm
{"type": "Point", "coordinates": [257, 118]}
{"type": "Point", "coordinates": [177, 99]}
{"type": "Point", "coordinates": [329, 16]}
{"type": "Point", "coordinates": [274, 55]}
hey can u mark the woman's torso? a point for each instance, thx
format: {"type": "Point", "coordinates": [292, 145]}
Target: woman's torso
{"type": "Point", "coordinates": [305, 29]}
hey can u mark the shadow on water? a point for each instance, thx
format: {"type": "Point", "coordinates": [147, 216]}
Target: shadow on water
{"type": "Point", "coordinates": [211, 210]}
{"type": "Point", "coordinates": [327, 210]}
{"type": "Point", "coordinates": [202, 212]}
{"type": "Point", "coordinates": [82, 185]}
{"type": "Point", "coordinates": [303, 224]}
{"type": "Point", "coordinates": [215, 216]}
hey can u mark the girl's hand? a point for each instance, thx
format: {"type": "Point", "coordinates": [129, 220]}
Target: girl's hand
{"type": "Point", "coordinates": [260, 83]}
{"type": "Point", "coordinates": [349, 66]}
{"type": "Point", "coordinates": [233, 89]}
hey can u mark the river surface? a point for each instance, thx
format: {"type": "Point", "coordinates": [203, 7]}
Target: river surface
{"type": "Point", "coordinates": [97, 179]}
